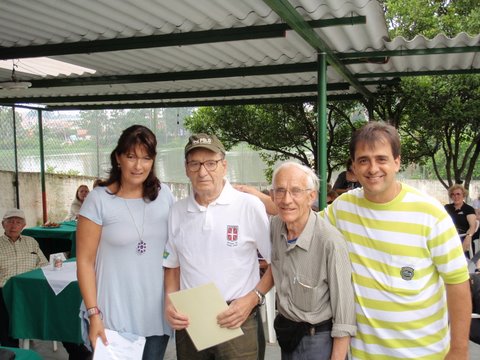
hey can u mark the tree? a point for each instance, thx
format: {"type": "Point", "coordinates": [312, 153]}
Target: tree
{"type": "Point", "coordinates": [409, 18]}
{"type": "Point", "coordinates": [443, 124]}
{"type": "Point", "coordinates": [280, 131]}
{"type": "Point", "coordinates": [435, 115]}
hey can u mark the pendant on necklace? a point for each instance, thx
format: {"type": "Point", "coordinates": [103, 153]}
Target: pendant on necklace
{"type": "Point", "coordinates": [141, 247]}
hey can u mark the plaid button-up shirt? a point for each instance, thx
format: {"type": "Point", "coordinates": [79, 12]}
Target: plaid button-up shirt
{"type": "Point", "coordinates": [19, 256]}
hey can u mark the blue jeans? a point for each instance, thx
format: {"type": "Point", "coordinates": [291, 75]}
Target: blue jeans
{"type": "Point", "coordinates": [155, 347]}
{"type": "Point", "coordinates": [316, 347]}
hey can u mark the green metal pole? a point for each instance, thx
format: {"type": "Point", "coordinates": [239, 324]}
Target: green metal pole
{"type": "Point", "coordinates": [15, 152]}
{"type": "Point", "coordinates": [42, 167]}
{"type": "Point", "coordinates": [322, 129]}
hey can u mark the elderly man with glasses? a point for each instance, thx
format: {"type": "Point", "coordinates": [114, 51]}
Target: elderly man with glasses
{"type": "Point", "coordinates": [214, 235]}
{"type": "Point", "coordinates": [18, 254]}
{"type": "Point", "coordinates": [311, 270]}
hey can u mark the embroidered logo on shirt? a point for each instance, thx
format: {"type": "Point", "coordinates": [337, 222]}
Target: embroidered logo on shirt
{"type": "Point", "coordinates": [232, 235]}
{"type": "Point", "coordinates": [165, 254]}
{"type": "Point", "coordinates": [407, 273]}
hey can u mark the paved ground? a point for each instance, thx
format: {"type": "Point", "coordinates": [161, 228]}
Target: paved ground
{"type": "Point", "coordinates": [45, 349]}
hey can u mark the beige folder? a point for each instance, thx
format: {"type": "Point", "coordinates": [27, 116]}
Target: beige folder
{"type": "Point", "coordinates": [202, 305]}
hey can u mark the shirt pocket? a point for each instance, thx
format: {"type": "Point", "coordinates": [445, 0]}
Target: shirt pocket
{"type": "Point", "coordinates": [305, 293]}
{"type": "Point", "coordinates": [405, 279]}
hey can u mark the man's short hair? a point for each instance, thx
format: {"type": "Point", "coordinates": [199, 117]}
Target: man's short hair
{"type": "Point", "coordinates": [205, 141]}
{"type": "Point", "coordinates": [312, 178]}
{"type": "Point", "coordinates": [14, 213]}
{"type": "Point", "coordinates": [373, 132]}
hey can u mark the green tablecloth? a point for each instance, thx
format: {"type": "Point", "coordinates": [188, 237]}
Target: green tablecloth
{"type": "Point", "coordinates": [21, 354]}
{"type": "Point", "coordinates": [37, 313]}
{"type": "Point", "coordinates": [45, 235]}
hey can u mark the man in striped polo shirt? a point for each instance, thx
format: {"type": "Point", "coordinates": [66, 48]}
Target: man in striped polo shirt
{"type": "Point", "coordinates": [409, 273]}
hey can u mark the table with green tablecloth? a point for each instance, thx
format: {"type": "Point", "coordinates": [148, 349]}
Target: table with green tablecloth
{"type": "Point", "coordinates": [21, 354]}
{"type": "Point", "coordinates": [37, 313]}
{"type": "Point", "coordinates": [47, 236]}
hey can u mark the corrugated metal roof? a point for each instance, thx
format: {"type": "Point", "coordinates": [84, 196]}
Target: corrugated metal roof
{"type": "Point", "coordinates": [193, 47]}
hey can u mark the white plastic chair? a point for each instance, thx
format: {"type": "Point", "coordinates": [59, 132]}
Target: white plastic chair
{"type": "Point", "coordinates": [471, 252]}
{"type": "Point", "coordinates": [270, 310]}
{"type": "Point", "coordinates": [25, 344]}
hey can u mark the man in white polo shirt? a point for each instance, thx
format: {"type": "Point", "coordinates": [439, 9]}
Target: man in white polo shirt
{"type": "Point", "coordinates": [214, 235]}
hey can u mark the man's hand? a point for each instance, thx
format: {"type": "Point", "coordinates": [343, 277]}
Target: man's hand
{"type": "Point", "coordinates": [177, 320]}
{"type": "Point", "coordinates": [238, 311]}
{"type": "Point", "coordinates": [457, 354]}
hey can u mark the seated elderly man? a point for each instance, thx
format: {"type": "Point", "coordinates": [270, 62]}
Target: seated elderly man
{"type": "Point", "coordinates": [18, 254]}
{"type": "Point", "coordinates": [311, 270]}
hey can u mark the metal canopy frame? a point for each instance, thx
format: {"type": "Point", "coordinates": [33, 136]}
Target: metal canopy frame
{"type": "Point", "coordinates": [292, 21]}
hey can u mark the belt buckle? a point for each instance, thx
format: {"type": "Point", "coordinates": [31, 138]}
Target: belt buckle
{"type": "Point", "coordinates": [311, 330]}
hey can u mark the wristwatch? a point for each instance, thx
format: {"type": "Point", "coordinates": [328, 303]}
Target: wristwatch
{"type": "Point", "coordinates": [261, 297]}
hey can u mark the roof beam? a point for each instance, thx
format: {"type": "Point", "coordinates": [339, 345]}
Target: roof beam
{"type": "Point", "coordinates": [177, 76]}
{"type": "Point", "coordinates": [417, 73]}
{"type": "Point", "coordinates": [175, 95]}
{"type": "Point", "coordinates": [407, 52]}
{"type": "Point", "coordinates": [269, 100]}
{"type": "Point", "coordinates": [156, 41]}
{"type": "Point", "coordinates": [288, 13]}
{"type": "Point", "coordinates": [272, 90]}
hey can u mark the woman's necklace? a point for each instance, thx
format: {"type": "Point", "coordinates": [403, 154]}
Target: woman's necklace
{"type": "Point", "coordinates": [141, 245]}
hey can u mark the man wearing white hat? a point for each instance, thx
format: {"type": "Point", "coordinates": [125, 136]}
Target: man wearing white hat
{"type": "Point", "coordinates": [18, 254]}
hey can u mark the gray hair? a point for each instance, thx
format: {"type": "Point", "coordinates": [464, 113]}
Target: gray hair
{"type": "Point", "coordinates": [312, 178]}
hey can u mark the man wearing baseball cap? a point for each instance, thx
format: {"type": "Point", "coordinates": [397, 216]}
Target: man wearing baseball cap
{"type": "Point", "coordinates": [18, 254]}
{"type": "Point", "coordinates": [214, 235]}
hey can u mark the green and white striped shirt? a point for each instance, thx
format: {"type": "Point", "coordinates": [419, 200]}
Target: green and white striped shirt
{"type": "Point", "coordinates": [402, 254]}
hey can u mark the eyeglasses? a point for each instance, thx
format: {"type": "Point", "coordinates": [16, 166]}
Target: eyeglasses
{"type": "Point", "coordinates": [456, 194]}
{"type": "Point", "coordinates": [209, 165]}
{"type": "Point", "coordinates": [295, 193]}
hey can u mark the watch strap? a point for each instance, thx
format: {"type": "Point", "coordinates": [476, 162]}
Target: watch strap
{"type": "Point", "coordinates": [261, 296]}
{"type": "Point", "coordinates": [93, 311]}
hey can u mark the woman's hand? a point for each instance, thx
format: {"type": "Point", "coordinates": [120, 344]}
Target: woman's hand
{"type": "Point", "coordinates": [96, 330]}
{"type": "Point", "coordinates": [467, 240]}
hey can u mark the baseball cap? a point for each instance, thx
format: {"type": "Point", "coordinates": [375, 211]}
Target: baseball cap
{"type": "Point", "coordinates": [205, 141]}
{"type": "Point", "coordinates": [14, 213]}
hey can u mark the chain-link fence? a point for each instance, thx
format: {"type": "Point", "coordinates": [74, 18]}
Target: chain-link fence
{"type": "Point", "coordinates": [79, 142]}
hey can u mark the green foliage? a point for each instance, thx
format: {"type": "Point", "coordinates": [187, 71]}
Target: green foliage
{"type": "Point", "coordinates": [409, 18]}
{"type": "Point", "coordinates": [53, 170]}
{"type": "Point", "coordinates": [437, 116]}
{"type": "Point", "coordinates": [442, 123]}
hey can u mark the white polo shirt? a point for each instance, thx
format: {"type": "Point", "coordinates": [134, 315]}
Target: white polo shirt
{"type": "Point", "coordinates": [218, 243]}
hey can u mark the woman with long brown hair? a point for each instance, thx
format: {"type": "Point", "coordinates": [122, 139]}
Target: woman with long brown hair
{"type": "Point", "coordinates": [122, 231]}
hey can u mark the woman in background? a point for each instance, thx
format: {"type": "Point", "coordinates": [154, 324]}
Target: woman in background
{"type": "Point", "coordinates": [80, 196]}
{"type": "Point", "coordinates": [462, 214]}
{"type": "Point", "coordinates": [346, 180]}
{"type": "Point", "coordinates": [121, 235]}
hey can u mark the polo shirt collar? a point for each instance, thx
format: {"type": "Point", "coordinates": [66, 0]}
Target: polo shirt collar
{"type": "Point", "coordinates": [226, 197]}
